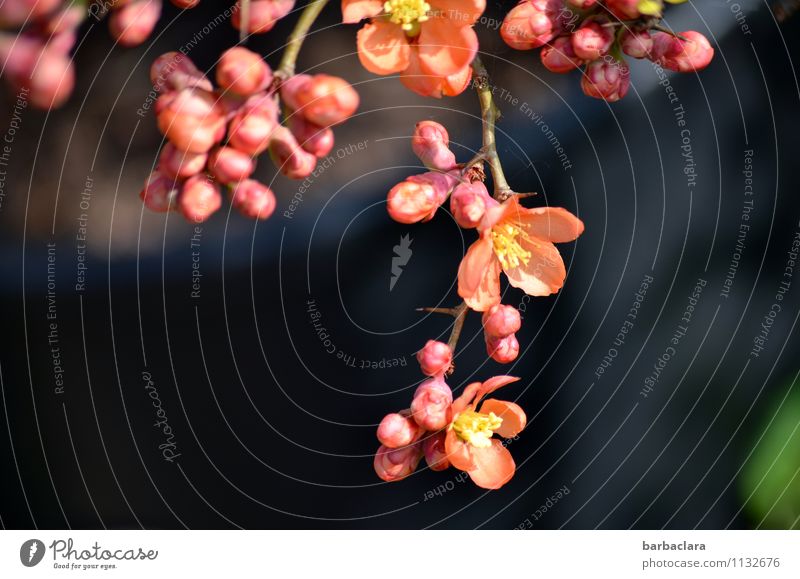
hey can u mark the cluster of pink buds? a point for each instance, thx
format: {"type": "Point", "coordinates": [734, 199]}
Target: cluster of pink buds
{"type": "Point", "coordinates": [408, 435]}
{"type": "Point", "coordinates": [37, 58]}
{"type": "Point", "coordinates": [500, 324]}
{"type": "Point", "coordinates": [595, 34]}
{"type": "Point", "coordinates": [132, 21]}
{"type": "Point", "coordinates": [450, 432]}
{"type": "Point", "coordinates": [215, 134]}
{"type": "Point", "coordinates": [419, 196]}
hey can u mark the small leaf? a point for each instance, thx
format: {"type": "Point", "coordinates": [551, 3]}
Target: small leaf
{"type": "Point", "coordinates": [770, 482]}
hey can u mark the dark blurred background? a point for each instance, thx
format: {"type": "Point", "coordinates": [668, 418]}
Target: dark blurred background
{"type": "Point", "coordinates": [272, 423]}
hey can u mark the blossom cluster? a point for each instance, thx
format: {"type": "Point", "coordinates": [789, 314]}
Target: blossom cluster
{"type": "Point", "coordinates": [512, 239]}
{"type": "Point", "coordinates": [431, 44]}
{"type": "Point", "coordinates": [595, 34]}
{"type": "Point", "coordinates": [216, 133]}
{"type": "Point", "coordinates": [450, 432]}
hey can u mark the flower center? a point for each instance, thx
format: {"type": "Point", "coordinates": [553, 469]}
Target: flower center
{"type": "Point", "coordinates": [407, 13]}
{"type": "Point", "coordinates": [476, 428]}
{"type": "Point", "coordinates": [506, 238]}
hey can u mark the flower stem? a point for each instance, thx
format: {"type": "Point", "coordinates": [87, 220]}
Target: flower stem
{"type": "Point", "coordinates": [661, 28]}
{"type": "Point", "coordinates": [459, 313]}
{"type": "Point", "coordinates": [489, 115]}
{"type": "Point", "coordinates": [244, 21]}
{"type": "Point", "coordinates": [460, 316]}
{"type": "Point", "coordinates": [296, 38]}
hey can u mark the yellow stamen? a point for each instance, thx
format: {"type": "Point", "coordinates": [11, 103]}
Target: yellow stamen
{"type": "Point", "coordinates": [506, 238]}
{"type": "Point", "coordinates": [407, 13]}
{"type": "Point", "coordinates": [476, 428]}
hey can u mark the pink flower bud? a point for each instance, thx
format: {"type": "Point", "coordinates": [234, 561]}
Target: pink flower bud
{"type": "Point", "coordinates": [243, 72]}
{"type": "Point", "coordinates": [289, 157]}
{"type": "Point", "coordinates": [192, 120]}
{"type": "Point", "coordinates": [159, 192]}
{"type": "Point", "coordinates": [560, 56]}
{"type": "Point", "coordinates": [592, 40]}
{"type": "Point", "coordinates": [52, 80]}
{"type": "Point", "coordinates": [427, 133]}
{"type": "Point", "coordinates": [606, 80]}
{"type": "Point", "coordinates": [430, 143]}
{"type": "Point", "coordinates": [468, 204]}
{"type": "Point", "coordinates": [500, 321]}
{"type": "Point", "coordinates": [418, 197]}
{"type": "Point", "coordinates": [324, 100]}
{"type": "Point", "coordinates": [252, 126]}
{"type": "Point", "coordinates": [636, 43]}
{"type": "Point", "coordinates": [695, 53]}
{"type": "Point", "coordinates": [624, 9]}
{"type": "Point", "coordinates": [19, 54]}
{"type": "Point", "coordinates": [263, 16]}
{"type": "Point", "coordinates": [503, 350]}
{"type": "Point", "coordinates": [16, 12]}
{"type": "Point", "coordinates": [430, 407]}
{"type": "Point", "coordinates": [439, 157]}
{"type": "Point", "coordinates": [291, 87]}
{"type": "Point", "coordinates": [435, 358]}
{"type": "Point", "coordinates": [132, 23]}
{"type": "Point", "coordinates": [175, 71]}
{"type": "Point", "coordinates": [435, 452]}
{"type": "Point", "coordinates": [315, 139]}
{"type": "Point", "coordinates": [531, 23]}
{"type": "Point", "coordinates": [396, 430]}
{"type": "Point", "coordinates": [66, 19]}
{"type": "Point", "coordinates": [393, 464]}
{"type": "Point", "coordinates": [229, 165]}
{"type": "Point", "coordinates": [199, 198]}
{"type": "Point", "coordinates": [180, 164]}
{"type": "Point", "coordinates": [253, 199]}
{"type": "Point", "coordinates": [63, 42]}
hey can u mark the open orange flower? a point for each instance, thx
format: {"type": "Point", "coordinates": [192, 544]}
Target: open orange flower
{"type": "Point", "coordinates": [518, 241]}
{"type": "Point", "coordinates": [469, 443]}
{"type": "Point", "coordinates": [431, 42]}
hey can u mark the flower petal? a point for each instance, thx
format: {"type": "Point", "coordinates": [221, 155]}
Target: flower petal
{"type": "Point", "coordinates": [457, 83]}
{"type": "Point", "coordinates": [494, 383]}
{"type": "Point", "coordinates": [458, 451]}
{"type": "Point", "coordinates": [479, 276]}
{"type": "Point", "coordinates": [383, 48]}
{"type": "Point", "coordinates": [459, 12]}
{"type": "Point", "coordinates": [473, 393]}
{"type": "Point", "coordinates": [554, 224]}
{"type": "Point", "coordinates": [545, 272]}
{"type": "Point", "coordinates": [445, 49]}
{"type": "Point", "coordinates": [513, 416]}
{"type": "Point", "coordinates": [494, 465]}
{"type": "Point", "coordinates": [421, 83]}
{"type": "Point", "coordinates": [356, 10]}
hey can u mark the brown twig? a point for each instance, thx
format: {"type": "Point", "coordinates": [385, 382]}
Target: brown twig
{"type": "Point", "coordinates": [459, 314]}
{"type": "Point", "coordinates": [296, 38]}
{"type": "Point", "coordinates": [489, 115]}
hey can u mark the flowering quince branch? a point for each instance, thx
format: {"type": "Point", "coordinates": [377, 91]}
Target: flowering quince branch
{"type": "Point", "coordinates": [519, 241]}
{"type": "Point", "coordinates": [216, 134]}
{"type": "Point", "coordinates": [596, 33]}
